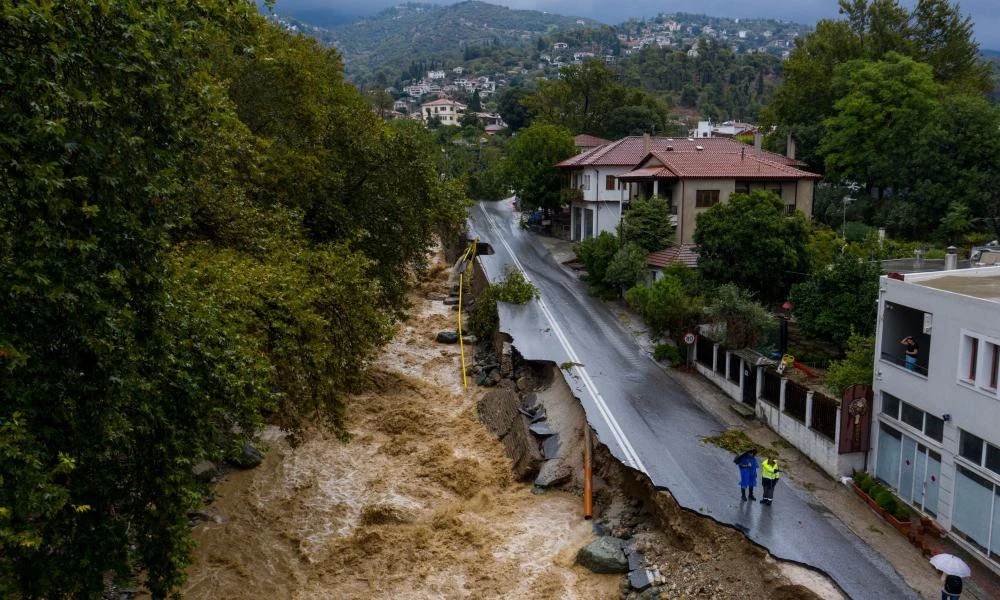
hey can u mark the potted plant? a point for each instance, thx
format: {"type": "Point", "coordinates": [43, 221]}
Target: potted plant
{"type": "Point", "coordinates": [882, 501]}
{"type": "Point", "coordinates": [862, 484]}
{"type": "Point", "coordinates": [899, 516]}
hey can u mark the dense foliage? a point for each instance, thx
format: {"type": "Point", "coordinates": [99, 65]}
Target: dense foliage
{"type": "Point", "coordinates": [895, 101]}
{"type": "Point", "coordinates": [751, 242]}
{"type": "Point", "coordinates": [838, 301]}
{"type": "Point", "coordinates": [627, 268]}
{"type": "Point", "coordinates": [528, 164]}
{"type": "Point", "coordinates": [718, 82]}
{"type": "Point", "coordinates": [856, 367]}
{"type": "Point", "coordinates": [740, 320]}
{"type": "Point", "coordinates": [513, 288]}
{"type": "Point", "coordinates": [647, 223]}
{"type": "Point", "coordinates": [202, 227]}
{"type": "Point", "coordinates": [596, 254]}
{"type": "Point", "coordinates": [439, 35]}
{"type": "Point", "coordinates": [667, 305]}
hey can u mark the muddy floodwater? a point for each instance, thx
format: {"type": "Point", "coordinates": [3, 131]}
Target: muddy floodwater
{"type": "Point", "coordinates": [420, 503]}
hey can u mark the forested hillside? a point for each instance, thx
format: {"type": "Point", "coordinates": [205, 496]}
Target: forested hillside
{"type": "Point", "coordinates": [730, 74]}
{"type": "Point", "coordinates": [379, 47]}
{"type": "Point", "coordinates": [203, 229]}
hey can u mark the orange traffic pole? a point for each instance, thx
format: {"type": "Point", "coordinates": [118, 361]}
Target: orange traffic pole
{"type": "Point", "coordinates": [588, 488]}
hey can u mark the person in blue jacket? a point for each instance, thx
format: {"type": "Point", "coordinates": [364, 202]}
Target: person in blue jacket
{"type": "Point", "coordinates": [747, 462]}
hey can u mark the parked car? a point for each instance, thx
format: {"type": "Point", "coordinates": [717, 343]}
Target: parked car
{"type": "Point", "coordinates": [984, 256]}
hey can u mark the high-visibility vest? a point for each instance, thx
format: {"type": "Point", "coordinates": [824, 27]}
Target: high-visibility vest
{"type": "Point", "coordinates": [769, 470]}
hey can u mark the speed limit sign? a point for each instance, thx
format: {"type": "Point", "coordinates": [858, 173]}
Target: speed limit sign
{"type": "Point", "coordinates": [688, 338]}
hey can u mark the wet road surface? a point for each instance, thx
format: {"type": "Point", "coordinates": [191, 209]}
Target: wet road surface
{"type": "Point", "coordinates": [652, 425]}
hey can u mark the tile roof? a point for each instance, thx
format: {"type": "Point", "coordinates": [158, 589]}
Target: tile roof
{"type": "Point", "coordinates": [745, 163]}
{"type": "Point", "coordinates": [630, 151]}
{"type": "Point", "coordinates": [589, 141]}
{"type": "Point", "coordinates": [443, 102]}
{"type": "Point", "coordinates": [684, 253]}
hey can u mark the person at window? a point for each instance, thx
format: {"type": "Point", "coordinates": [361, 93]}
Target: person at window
{"type": "Point", "coordinates": [912, 349]}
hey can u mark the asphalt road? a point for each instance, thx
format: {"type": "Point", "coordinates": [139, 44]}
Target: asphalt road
{"type": "Point", "coordinates": [652, 425]}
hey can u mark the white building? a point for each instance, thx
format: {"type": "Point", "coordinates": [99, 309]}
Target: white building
{"type": "Point", "coordinates": [448, 111]}
{"type": "Point", "coordinates": [936, 427]}
{"type": "Point", "coordinates": [691, 174]}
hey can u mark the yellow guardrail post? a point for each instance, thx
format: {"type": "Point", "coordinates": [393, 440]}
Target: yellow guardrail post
{"type": "Point", "coordinates": [468, 257]}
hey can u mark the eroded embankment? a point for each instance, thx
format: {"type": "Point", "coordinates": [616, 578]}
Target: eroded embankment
{"type": "Point", "coordinates": [421, 503]}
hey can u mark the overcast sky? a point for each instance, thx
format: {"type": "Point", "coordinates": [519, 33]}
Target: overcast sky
{"type": "Point", "coordinates": [985, 13]}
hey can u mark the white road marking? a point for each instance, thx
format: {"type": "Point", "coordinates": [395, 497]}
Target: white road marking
{"type": "Point", "coordinates": [631, 457]}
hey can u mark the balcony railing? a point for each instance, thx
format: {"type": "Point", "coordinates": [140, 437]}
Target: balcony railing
{"type": "Point", "coordinates": [900, 360]}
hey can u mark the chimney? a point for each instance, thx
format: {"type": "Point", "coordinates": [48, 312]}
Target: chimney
{"type": "Point", "coordinates": [647, 143]}
{"type": "Point", "coordinates": [757, 138]}
{"type": "Point", "coordinates": [790, 147]}
{"type": "Point", "coordinates": [950, 259]}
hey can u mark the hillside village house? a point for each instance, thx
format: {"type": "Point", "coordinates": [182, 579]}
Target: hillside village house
{"type": "Point", "coordinates": [691, 174]}
{"type": "Point", "coordinates": [936, 432]}
{"type": "Point", "coordinates": [707, 129]}
{"type": "Point", "coordinates": [448, 111]}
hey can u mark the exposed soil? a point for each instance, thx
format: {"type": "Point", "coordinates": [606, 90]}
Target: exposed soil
{"type": "Point", "coordinates": [421, 503]}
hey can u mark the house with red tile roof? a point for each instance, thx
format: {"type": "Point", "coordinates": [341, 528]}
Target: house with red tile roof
{"type": "Point", "coordinates": [692, 174]}
{"type": "Point", "coordinates": [586, 142]}
{"type": "Point", "coordinates": [449, 111]}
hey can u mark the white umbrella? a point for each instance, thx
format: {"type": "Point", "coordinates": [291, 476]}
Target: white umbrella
{"type": "Point", "coordinates": [951, 564]}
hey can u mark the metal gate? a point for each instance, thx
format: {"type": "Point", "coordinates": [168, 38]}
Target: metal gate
{"type": "Point", "coordinates": [749, 384]}
{"type": "Point", "coordinates": [856, 418]}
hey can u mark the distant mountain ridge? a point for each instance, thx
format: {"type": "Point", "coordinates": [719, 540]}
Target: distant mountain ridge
{"type": "Point", "coordinates": [415, 30]}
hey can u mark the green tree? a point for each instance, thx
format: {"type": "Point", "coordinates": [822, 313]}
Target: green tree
{"type": "Point", "coordinates": [647, 223]}
{"type": "Point", "coordinates": [933, 33]}
{"type": "Point", "coordinates": [101, 417]}
{"type": "Point", "coordinates": [856, 367]}
{"type": "Point", "coordinates": [529, 164]}
{"type": "Point", "coordinates": [954, 159]}
{"type": "Point", "coordinates": [581, 100]}
{"type": "Point", "coordinates": [884, 106]}
{"type": "Point", "coordinates": [627, 267]}
{"type": "Point", "coordinates": [943, 38]}
{"type": "Point", "coordinates": [193, 236]}
{"type": "Point", "coordinates": [742, 320]}
{"type": "Point", "coordinates": [632, 120]}
{"type": "Point", "coordinates": [956, 223]}
{"type": "Point", "coordinates": [837, 301]}
{"type": "Point", "coordinates": [596, 254]}
{"type": "Point", "coordinates": [666, 306]}
{"type": "Point", "coordinates": [345, 169]}
{"type": "Point", "coordinates": [750, 242]}
{"type": "Point", "coordinates": [511, 108]}
{"type": "Point", "coordinates": [823, 246]}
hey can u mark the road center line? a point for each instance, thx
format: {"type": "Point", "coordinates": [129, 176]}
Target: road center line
{"type": "Point", "coordinates": [631, 457]}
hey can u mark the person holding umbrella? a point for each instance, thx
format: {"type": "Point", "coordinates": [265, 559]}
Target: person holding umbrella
{"type": "Point", "coordinates": [747, 462]}
{"type": "Point", "coordinates": [953, 569]}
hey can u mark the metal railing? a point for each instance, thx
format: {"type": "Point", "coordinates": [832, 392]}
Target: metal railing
{"type": "Point", "coordinates": [900, 361]}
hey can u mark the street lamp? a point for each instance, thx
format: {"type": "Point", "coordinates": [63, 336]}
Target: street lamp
{"type": "Point", "coordinates": [845, 201]}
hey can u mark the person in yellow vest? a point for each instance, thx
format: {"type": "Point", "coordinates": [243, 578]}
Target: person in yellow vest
{"type": "Point", "coordinates": [769, 474]}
